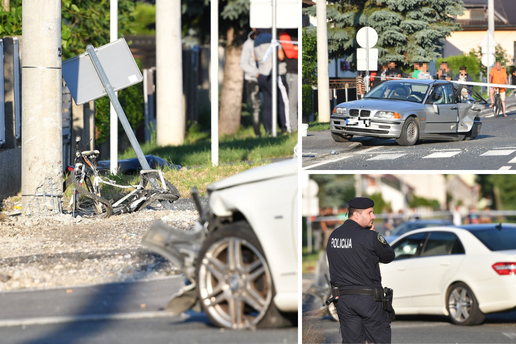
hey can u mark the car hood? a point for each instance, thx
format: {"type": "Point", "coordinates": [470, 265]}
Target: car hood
{"type": "Point", "coordinates": [382, 104]}
{"type": "Point", "coordinates": [276, 170]}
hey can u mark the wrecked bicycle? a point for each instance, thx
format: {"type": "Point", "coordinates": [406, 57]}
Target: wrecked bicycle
{"type": "Point", "coordinates": [86, 194]}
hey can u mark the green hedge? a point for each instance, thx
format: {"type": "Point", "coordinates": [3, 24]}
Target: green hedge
{"type": "Point", "coordinates": [307, 101]}
{"type": "Point", "coordinates": [471, 63]}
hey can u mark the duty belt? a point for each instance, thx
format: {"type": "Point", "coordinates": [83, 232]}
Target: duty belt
{"type": "Point", "coordinates": [356, 291]}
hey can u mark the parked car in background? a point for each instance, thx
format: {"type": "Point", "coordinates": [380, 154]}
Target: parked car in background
{"type": "Point", "coordinates": [415, 224]}
{"type": "Point", "coordinates": [463, 272]}
{"type": "Point", "coordinates": [408, 111]}
{"type": "Point", "coordinates": [240, 261]}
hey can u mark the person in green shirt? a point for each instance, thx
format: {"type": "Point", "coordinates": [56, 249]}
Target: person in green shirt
{"type": "Point", "coordinates": [417, 69]}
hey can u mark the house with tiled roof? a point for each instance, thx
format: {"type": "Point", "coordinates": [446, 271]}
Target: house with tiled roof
{"type": "Point", "coordinates": [474, 27]}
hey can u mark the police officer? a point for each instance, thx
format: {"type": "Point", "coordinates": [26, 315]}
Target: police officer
{"type": "Point", "coordinates": [354, 251]}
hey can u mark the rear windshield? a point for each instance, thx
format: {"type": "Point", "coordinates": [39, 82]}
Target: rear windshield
{"type": "Point", "coordinates": [497, 240]}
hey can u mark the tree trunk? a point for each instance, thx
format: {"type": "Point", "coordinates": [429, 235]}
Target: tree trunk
{"type": "Point", "coordinates": [232, 85]}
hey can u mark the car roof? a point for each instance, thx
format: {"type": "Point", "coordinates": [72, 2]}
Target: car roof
{"type": "Point", "coordinates": [484, 226]}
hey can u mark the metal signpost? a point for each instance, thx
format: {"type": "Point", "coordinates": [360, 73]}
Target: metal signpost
{"type": "Point", "coordinates": [367, 56]}
{"type": "Point", "coordinates": [88, 79]}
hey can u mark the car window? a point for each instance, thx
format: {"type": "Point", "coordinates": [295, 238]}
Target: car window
{"type": "Point", "coordinates": [440, 243]}
{"type": "Point", "coordinates": [410, 246]}
{"type": "Point", "coordinates": [442, 94]}
{"type": "Point", "coordinates": [497, 239]}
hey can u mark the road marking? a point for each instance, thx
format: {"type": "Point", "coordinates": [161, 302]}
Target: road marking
{"type": "Point", "coordinates": [505, 168]}
{"type": "Point", "coordinates": [441, 155]}
{"type": "Point", "coordinates": [386, 157]}
{"type": "Point", "coordinates": [498, 152]}
{"type": "Point", "coordinates": [326, 162]}
{"type": "Point", "coordinates": [450, 149]}
{"type": "Point", "coordinates": [511, 335]}
{"type": "Point", "coordinates": [92, 317]}
{"type": "Point", "coordinates": [513, 161]}
{"type": "Point", "coordinates": [366, 151]}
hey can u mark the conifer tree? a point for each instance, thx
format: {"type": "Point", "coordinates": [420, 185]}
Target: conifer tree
{"type": "Point", "coordinates": [408, 30]}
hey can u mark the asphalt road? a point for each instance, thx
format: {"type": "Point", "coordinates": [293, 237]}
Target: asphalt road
{"type": "Point", "coordinates": [497, 328]}
{"type": "Point", "coordinates": [115, 313]}
{"type": "Point", "coordinates": [493, 149]}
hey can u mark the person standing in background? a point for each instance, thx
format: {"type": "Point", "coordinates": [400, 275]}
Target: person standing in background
{"type": "Point", "coordinates": [287, 38]}
{"type": "Point", "coordinates": [262, 43]}
{"type": "Point", "coordinates": [417, 69]}
{"type": "Point", "coordinates": [498, 75]}
{"type": "Point", "coordinates": [249, 66]}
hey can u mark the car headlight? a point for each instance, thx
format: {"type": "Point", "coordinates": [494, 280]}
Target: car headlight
{"type": "Point", "coordinates": [340, 111]}
{"type": "Point", "coordinates": [387, 114]}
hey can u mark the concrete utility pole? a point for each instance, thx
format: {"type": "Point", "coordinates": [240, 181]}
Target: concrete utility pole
{"type": "Point", "coordinates": [323, 80]}
{"type": "Point", "coordinates": [42, 136]}
{"type": "Point", "coordinates": [490, 28]}
{"type": "Point", "coordinates": [170, 117]}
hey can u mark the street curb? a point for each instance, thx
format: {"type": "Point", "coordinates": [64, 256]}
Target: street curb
{"type": "Point", "coordinates": [92, 317]}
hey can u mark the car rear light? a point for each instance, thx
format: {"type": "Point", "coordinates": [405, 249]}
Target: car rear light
{"type": "Point", "coordinates": [506, 268]}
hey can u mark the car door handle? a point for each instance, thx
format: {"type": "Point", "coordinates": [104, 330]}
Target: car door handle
{"type": "Point", "coordinates": [453, 108]}
{"type": "Point", "coordinates": [402, 268]}
{"type": "Point", "coordinates": [445, 263]}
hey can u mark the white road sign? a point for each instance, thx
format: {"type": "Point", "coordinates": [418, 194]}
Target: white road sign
{"type": "Point", "coordinates": [367, 61]}
{"type": "Point", "coordinates": [367, 37]}
{"type": "Point", "coordinates": [488, 59]}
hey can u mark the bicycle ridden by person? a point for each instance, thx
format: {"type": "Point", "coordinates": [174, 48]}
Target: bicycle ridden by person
{"type": "Point", "coordinates": [498, 75]}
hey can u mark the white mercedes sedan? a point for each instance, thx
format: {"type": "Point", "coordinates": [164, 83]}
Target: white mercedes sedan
{"type": "Point", "coordinates": [463, 272]}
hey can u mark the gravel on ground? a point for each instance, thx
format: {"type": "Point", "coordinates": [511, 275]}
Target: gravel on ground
{"type": "Point", "coordinates": [63, 251]}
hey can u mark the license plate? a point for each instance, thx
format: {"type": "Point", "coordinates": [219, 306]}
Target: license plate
{"type": "Point", "coordinates": [351, 121]}
{"type": "Point", "coordinates": [367, 122]}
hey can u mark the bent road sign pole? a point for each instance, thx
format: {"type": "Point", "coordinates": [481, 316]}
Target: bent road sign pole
{"type": "Point", "coordinates": [118, 108]}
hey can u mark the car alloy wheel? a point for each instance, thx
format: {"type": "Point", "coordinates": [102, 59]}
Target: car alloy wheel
{"type": "Point", "coordinates": [235, 285]}
{"type": "Point", "coordinates": [409, 132]}
{"type": "Point", "coordinates": [463, 306]}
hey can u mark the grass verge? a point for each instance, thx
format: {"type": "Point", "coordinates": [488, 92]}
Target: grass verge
{"type": "Point", "coordinates": [309, 261]}
{"type": "Point", "coordinates": [318, 126]}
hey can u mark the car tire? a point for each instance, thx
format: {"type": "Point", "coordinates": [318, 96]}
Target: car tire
{"type": "Point", "coordinates": [237, 291]}
{"type": "Point", "coordinates": [409, 132]}
{"type": "Point", "coordinates": [462, 306]}
{"type": "Point", "coordinates": [337, 137]}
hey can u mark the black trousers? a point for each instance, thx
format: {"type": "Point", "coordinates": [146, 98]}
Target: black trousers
{"type": "Point", "coordinates": [362, 318]}
{"type": "Point", "coordinates": [265, 82]}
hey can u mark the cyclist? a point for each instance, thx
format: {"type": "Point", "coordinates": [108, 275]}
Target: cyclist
{"type": "Point", "coordinates": [498, 75]}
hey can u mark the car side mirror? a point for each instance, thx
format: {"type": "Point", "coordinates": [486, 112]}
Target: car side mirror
{"type": "Point", "coordinates": [436, 109]}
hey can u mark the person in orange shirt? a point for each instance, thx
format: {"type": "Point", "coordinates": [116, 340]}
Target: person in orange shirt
{"type": "Point", "coordinates": [498, 75]}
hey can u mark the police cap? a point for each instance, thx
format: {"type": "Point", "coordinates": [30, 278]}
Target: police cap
{"type": "Point", "coordinates": [361, 203]}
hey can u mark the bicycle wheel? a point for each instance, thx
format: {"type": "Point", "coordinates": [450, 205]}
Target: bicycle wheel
{"type": "Point", "coordinates": [88, 203]}
{"type": "Point", "coordinates": [497, 105]}
{"type": "Point", "coordinates": [168, 189]}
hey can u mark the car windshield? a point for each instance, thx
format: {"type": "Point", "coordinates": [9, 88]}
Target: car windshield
{"type": "Point", "coordinates": [402, 90]}
{"type": "Point", "coordinates": [497, 240]}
